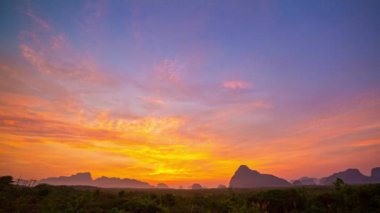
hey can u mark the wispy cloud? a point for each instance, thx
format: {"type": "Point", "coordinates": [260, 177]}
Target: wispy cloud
{"type": "Point", "coordinates": [153, 100]}
{"type": "Point", "coordinates": [38, 20]}
{"type": "Point", "coordinates": [169, 70]}
{"type": "Point", "coordinates": [64, 64]}
{"type": "Point", "coordinates": [57, 41]}
{"type": "Point", "coordinates": [236, 85]}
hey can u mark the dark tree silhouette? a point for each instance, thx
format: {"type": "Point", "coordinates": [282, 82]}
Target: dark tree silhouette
{"type": "Point", "coordinates": [6, 180]}
{"type": "Point", "coordinates": [339, 183]}
{"type": "Point", "coordinates": [196, 186]}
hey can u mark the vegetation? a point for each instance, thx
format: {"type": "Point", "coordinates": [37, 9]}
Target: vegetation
{"type": "Point", "coordinates": [44, 198]}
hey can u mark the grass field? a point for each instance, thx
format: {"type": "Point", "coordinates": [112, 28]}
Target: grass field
{"type": "Point", "coordinates": [45, 198]}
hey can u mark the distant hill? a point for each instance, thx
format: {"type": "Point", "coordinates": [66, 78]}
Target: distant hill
{"type": "Point", "coordinates": [106, 182]}
{"type": "Point", "coordinates": [196, 186]}
{"type": "Point", "coordinates": [353, 176]}
{"type": "Point", "coordinates": [242, 178]}
{"type": "Point", "coordinates": [221, 186]}
{"type": "Point", "coordinates": [375, 175]}
{"type": "Point", "coordinates": [85, 179]}
{"type": "Point", "coordinates": [305, 181]}
{"type": "Point", "coordinates": [247, 178]}
{"type": "Point", "coordinates": [350, 176]}
{"type": "Point", "coordinates": [162, 186]}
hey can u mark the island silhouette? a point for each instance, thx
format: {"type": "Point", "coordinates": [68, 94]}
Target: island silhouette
{"type": "Point", "coordinates": [244, 177]}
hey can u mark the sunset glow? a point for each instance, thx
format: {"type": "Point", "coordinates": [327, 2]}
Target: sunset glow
{"type": "Point", "coordinates": [183, 92]}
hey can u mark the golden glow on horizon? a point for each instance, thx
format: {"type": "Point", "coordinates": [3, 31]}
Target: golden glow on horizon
{"type": "Point", "coordinates": [157, 149]}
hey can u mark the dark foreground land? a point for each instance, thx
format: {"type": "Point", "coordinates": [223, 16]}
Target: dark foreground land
{"type": "Point", "coordinates": [45, 198]}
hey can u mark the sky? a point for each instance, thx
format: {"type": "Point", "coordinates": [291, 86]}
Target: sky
{"type": "Point", "coordinates": [184, 92]}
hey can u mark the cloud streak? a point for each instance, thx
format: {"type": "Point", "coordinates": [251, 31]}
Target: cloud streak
{"type": "Point", "coordinates": [236, 85]}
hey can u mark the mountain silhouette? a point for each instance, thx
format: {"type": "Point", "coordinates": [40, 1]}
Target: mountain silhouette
{"type": "Point", "coordinates": [375, 175]}
{"type": "Point", "coordinates": [162, 186]}
{"type": "Point", "coordinates": [247, 178]}
{"type": "Point", "coordinates": [305, 181]}
{"type": "Point", "coordinates": [221, 186]}
{"type": "Point", "coordinates": [83, 178]}
{"type": "Point", "coordinates": [106, 182]}
{"type": "Point", "coordinates": [244, 177]}
{"type": "Point", "coordinates": [86, 180]}
{"type": "Point", "coordinates": [350, 176]}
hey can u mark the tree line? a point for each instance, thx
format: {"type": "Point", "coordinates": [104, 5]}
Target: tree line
{"type": "Point", "coordinates": [339, 197]}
